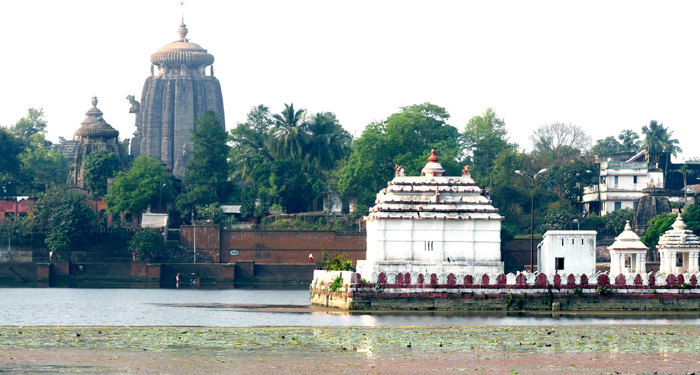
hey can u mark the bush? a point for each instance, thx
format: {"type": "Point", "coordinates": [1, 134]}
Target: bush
{"type": "Point", "coordinates": [145, 243]}
{"type": "Point", "coordinates": [339, 263]}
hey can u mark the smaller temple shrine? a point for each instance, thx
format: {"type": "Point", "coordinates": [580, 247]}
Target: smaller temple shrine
{"type": "Point", "coordinates": [628, 244]}
{"type": "Point", "coordinates": [432, 224]}
{"type": "Point", "coordinates": [679, 241]}
{"type": "Point", "coordinates": [94, 134]}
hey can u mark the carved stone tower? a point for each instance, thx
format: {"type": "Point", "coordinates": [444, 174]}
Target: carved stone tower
{"type": "Point", "coordinates": [94, 134]}
{"type": "Point", "coordinates": [172, 100]}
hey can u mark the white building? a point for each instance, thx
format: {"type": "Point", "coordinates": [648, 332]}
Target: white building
{"type": "Point", "coordinates": [432, 224]}
{"type": "Point", "coordinates": [628, 244]}
{"type": "Point", "coordinates": [679, 241]}
{"type": "Point", "coordinates": [567, 251]}
{"type": "Point", "coordinates": [620, 184]}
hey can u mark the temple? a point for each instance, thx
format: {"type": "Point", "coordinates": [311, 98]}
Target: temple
{"type": "Point", "coordinates": [172, 100]}
{"type": "Point", "coordinates": [432, 224]}
{"type": "Point", "coordinates": [628, 244]}
{"type": "Point", "coordinates": [94, 134]}
{"type": "Point", "coordinates": [679, 241]}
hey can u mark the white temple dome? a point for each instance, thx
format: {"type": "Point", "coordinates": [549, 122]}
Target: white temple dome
{"type": "Point", "coordinates": [628, 240]}
{"type": "Point", "coordinates": [679, 237]}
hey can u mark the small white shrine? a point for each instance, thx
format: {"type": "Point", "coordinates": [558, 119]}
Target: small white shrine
{"type": "Point", "coordinates": [566, 252]}
{"type": "Point", "coordinates": [432, 224]}
{"type": "Point", "coordinates": [679, 241]}
{"type": "Point", "coordinates": [628, 244]}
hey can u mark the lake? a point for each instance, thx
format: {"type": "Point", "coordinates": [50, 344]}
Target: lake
{"type": "Point", "coordinates": [231, 307]}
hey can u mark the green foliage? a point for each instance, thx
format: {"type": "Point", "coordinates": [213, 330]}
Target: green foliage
{"type": "Point", "coordinates": [578, 292]}
{"type": "Point", "coordinates": [64, 216]}
{"type": "Point", "coordinates": [98, 167]}
{"type": "Point", "coordinates": [146, 243]}
{"type": "Point", "coordinates": [212, 214]}
{"type": "Point", "coordinates": [339, 263]}
{"type": "Point", "coordinates": [604, 291]}
{"type": "Point", "coordinates": [558, 216]}
{"type": "Point", "coordinates": [630, 140]}
{"type": "Point", "coordinates": [30, 125]}
{"type": "Point", "coordinates": [280, 182]}
{"type": "Point", "coordinates": [289, 137]}
{"type": "Point", "coordinates": [616, 220]}
{"type": "Point", "coordinates": [10, 163]}
{"type": "Point", "coordinates": [691, 217]}
{"type": "Point", "coordinates": [608, 145]}
{"type": "Point", "coordinates": [337, 284]}
{"type": "Point", "coordinates": [657, 227]}
{"type": "Point", "coordinates": [485, 137]}
{"type": "Point", "coordinates": [405, 138]}
{"type": "Point", "coordinates": [42, 167]}
{"type": "Point", "coordinates": [657, 139]}
{"type": "Point", "coordinates": [133, 191]}
{"type": "Point", "coordinates": [206, 175]}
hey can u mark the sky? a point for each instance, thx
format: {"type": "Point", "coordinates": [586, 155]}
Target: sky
{"type": "Point", "coordinates": [603, 65]}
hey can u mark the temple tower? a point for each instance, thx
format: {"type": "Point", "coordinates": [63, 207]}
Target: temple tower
{"type": "Point", "coordinates": [172, 100]}
{"type": "Point", "coordinates": [94, 134]}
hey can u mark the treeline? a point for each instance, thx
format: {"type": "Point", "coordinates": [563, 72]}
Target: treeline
{"type": "Point", "coordinates": [284, 162]}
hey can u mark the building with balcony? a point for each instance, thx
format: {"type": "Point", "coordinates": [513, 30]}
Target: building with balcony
{"type": "Point", "coordinates": [620, 184]}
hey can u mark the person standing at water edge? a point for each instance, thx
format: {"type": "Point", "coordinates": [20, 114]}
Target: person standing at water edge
{"type": "Point", "coordinates": [311, 258]}
{"type": "Point", "coordinates": [51, 255]}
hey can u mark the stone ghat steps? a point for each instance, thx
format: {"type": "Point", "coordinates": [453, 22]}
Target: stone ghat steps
{"type": "Point", "coordinates": [283, 273]}
{"type": "Point", "coordinates": [19, 272]}
{"type": "Point", "coordinates": [207, 272]}
{"type": "Point", "coordinates": [104, 271]}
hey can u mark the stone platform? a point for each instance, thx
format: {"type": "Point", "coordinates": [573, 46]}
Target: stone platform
{"type": "Point", "coordinates": [524, 291]}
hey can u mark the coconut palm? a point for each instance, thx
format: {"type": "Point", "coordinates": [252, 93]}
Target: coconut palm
{"type": "Point", "coordinates": [289, 137]}
{"type": "Point", "coordinates": [629, 139]}
{"type": "Point", "coordinates": [329, 141]}
{"type": "Point", "coordinates": [657, 140]}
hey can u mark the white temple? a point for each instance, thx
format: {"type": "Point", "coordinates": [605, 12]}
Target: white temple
{"type": "Point", "coordinates": [679, 241]}
{"type": "Point", "coordinates": [628, 243]}
{"type": "Point", "coordinates": [432, 224]}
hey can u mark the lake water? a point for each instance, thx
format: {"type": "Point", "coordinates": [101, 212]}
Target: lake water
{"type": "Point", "coordinates": [203, 307]}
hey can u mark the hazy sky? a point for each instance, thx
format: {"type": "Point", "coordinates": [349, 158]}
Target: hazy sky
{"type": "Point", "coordinates": [604, 65]}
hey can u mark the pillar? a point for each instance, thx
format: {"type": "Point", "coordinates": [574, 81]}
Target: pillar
{"type": "Point", "coordinates": [633, 263]}
{"type": "Point", "coordinates": [693, 262]}
{"type": "Point", "coordinates": [662, 261]}
{"type": "Point", "coordinates": [641, 263]}
{"type": "Point", "coordinates": [620, 261]}
{"type": "Point", "coordinates": [686, 262]}
{"type": "Point", "coordinates": [670, 262]}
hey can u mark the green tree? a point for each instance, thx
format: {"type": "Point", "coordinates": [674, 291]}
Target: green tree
{"type": "Point", "coordinates": [485, 137]}
{"type": "Point", "coordinates": [289, 137]}
{"type": "Point", "coordinates": [30, 125]}
{"type": "Point", "coordinates": [657, 227]}
{"type": "Point", "coordinates": [11, 148]}
{"type": "Point", "coordinates": [691, 217]}
{"type": "Point", "coordinates": [657, 140]}
{"type": "Point", "coordinates": [405, 138]}
{"type": "Point", "coordinates": [64, 216]}
{"type": "Point", "coordinates": [146, 243]}
{"type": "Point", "coordinates": [249, 142]}
{"type": "Point", "coordinates": [281, 182]}
{"type": "Point", "coordinates": [134, 190]}
{"type": "Point", "coordinates": [328, 142]}
{"type": "Point", "coordinates": [630, 140]}
{"type": "Point", "coordinates": [607, 145]}
{"type": "Point", "coordinates": [206, 175]}
{"type": "Point", "coordinates": [98, 167]}
{"type": "Point", "coordinates": [42, 167]}
{"type": "Point", "coordinates": [616, 220]}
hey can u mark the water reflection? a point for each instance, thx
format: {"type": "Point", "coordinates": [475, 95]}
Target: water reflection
{"type": "Point", "coordinates": [220, 306]}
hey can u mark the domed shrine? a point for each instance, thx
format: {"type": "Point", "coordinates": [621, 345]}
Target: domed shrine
{"type": "Point", "coordinates": [628, 244]}
{"type": "Point", "coordinates": [432, 224]}
{"type": "Point", "coordinates": [94, 134]}
{"type": "Point", "coordinates": [679, 241]}
{"type": "Point", "coordinates": [172, 100]}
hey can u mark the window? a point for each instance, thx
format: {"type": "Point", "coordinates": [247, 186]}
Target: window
{"type": "Point", "coordinates": [562, 242]}
{"type": "Point", "coordinates": [582, 241]}
{"type": "Point", "coordinates": [428, 246]}
{"type": "Point", "coordinates": [635, 179]}
{"type": "Point", "coordinates": [618, 205]}
{"type": "Point", "coordinates": [558, 264]}
{"type": "Point", "coordinates": [572, 241]}
{"type": "Point", "coordinates": [617, 179]}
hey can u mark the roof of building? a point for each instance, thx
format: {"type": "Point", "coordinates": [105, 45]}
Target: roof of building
{"type": "Point", "coordinates": [94, 125]}
{"type": "Point", "coordinates": [678, 237]}
{"type": "Point", "coordinates": [627, 240]}
{"type": "Point", "coordinates": [433, 196]}
{"type": "Point", "coordinates": [182, 52]}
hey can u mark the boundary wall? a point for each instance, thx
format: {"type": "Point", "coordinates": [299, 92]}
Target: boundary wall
{"type": "Point", "coordinates": [522, 291]}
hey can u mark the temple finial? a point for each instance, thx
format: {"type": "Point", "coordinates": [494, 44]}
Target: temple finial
{"type": "Point", "coordinates": [94, 101]}
{"type": "Point", "coordinates": [182, 31]}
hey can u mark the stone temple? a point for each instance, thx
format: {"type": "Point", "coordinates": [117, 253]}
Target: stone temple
{"type": "Point", "coordinates": [432, 224]}
{"type": "Point", "coordinates": [172, 100]}
{"type": "Point", "coordinates": [94, 134]}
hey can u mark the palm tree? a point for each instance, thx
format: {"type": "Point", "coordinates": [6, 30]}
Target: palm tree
{"type": "Point", "coordinates": [657, 141]}
{"type": "Point", "coordinates": [329, 141]}
{"type": "Point", "coordinates": [289, 138]}
{"type": "Point", "coordinates": [629, 139]}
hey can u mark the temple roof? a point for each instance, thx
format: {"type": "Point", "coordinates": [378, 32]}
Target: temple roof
{"type": "Point", "coordinates": [182, 52]}
{"type": "Point", "coordinates": [678, 237]}
{"type": "Point", "coordinates": [433, 196]}
{"type": "Point", "coordinates": [627, 240]}
{"type": "Point", "coordinates": [94, 125]}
